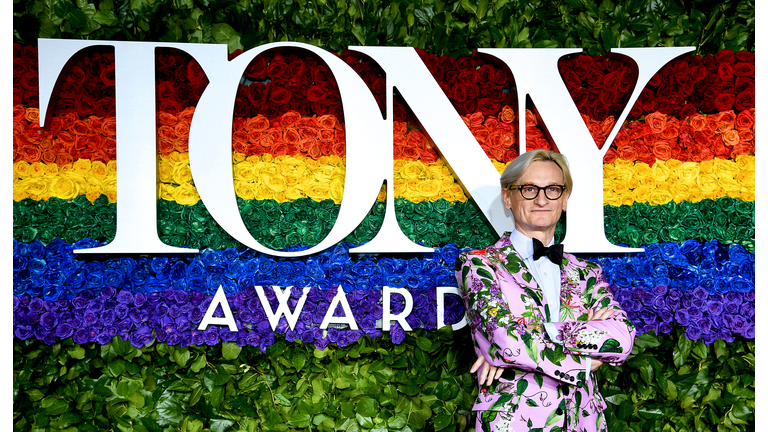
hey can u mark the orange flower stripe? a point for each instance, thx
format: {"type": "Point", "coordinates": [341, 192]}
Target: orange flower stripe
{"type": "Point", "coordinates": [287, 178]}
{"type": "Point", "coordinates": [656, 137]}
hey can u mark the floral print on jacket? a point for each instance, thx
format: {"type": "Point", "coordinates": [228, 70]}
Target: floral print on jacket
{"type": "Point", "coordinates": [545, 386]}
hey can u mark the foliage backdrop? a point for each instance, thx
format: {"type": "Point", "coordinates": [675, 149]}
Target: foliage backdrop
{"type": "Point", "coordinates": [685, 374]}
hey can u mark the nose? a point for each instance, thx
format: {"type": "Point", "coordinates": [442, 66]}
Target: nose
{"type": "Point", "coordinates": [541, 199]}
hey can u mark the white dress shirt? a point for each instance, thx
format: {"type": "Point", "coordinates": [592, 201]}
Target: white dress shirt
{"type": "Point", "coordinates": [547, 275]}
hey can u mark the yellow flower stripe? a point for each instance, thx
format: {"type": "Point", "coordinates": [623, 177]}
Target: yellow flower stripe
{"type": "Point", "coordinates": [287, 178]}
{"type": "Point", "coordinates": [628, 182]}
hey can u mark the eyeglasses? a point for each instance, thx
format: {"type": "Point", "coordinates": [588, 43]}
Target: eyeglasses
{"type": "Point", "coordinates": [529, 192]}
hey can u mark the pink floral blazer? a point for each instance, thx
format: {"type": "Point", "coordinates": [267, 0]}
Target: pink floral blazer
{"type": "Point", "coordinates": [545, 386]}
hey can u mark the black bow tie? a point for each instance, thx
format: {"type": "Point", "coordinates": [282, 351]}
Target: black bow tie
{"type": "Point", "coordinates": [554, 252]}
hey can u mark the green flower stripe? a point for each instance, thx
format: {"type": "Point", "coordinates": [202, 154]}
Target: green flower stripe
{"type": "Point", "coordinates": [455, 27]}
{"type": "Point", "coordinates": [422, 383]}
{"type": "Point", "coordinates": [305, 222]}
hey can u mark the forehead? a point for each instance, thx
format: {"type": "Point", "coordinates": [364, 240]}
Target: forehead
{"type": "Point", "coordinates": [542, 173]}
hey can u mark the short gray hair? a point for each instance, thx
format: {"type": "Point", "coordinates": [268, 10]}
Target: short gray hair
{"type": "Point", "coordinates": [517, 167]}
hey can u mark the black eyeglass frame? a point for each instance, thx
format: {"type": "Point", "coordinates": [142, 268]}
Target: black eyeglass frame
{"type": "Point", "coordinates": [538, 189]}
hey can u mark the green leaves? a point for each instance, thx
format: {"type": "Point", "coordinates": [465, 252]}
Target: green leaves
{"type": "Point", "coordinates": [455, 28]}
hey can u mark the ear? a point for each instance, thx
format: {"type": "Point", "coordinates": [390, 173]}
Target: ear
{"type": "Point", "coordinates": [565, 200]}
{"type": "Point", "coordinates": [507, 198]}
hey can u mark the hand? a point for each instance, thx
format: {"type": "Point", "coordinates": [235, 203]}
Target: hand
{"type": "Point", "coordinates": [595, 364]}
{"type": "Point", "coordinates": [491, 372]}
{"type": "Point", "coordinates": [601, 313]}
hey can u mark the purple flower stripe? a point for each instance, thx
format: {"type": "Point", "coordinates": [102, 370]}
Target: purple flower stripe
{"type": "Point", "coordinates": [705, 316]}
{"type": "Point", "coordinates": [173, 316]}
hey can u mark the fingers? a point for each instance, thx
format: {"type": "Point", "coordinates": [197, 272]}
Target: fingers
{"type": "Point", "coordinates": [492, 372]}
{"type": "Point", "coordinates": [601, 313]}
{"type": "Point", "coordinates": [499, 371]}
{"type": "Point", "coordinates": [479, 362]}
{"type": "Point", "coordinates": [484, 372]}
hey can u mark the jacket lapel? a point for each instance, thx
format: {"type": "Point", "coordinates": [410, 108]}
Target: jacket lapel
{"type": "Point", "coordinates": [515, 267]}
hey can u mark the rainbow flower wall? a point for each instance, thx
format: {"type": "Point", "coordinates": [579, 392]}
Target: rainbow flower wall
{"type": "Point", "coordinates": [112, 342]}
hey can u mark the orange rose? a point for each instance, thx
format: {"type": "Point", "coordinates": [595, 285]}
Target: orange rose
{"type": "Point", "coordinates": [746, 135]}
{"type": "Point", "coordinates": [480, 133]}
{"type": "Point", "coordinates": [167, 119]}
{"type": "Point", "coordinates": [182, 129]}
{"type": "Point", "coordinates": [32, 115]}
{"type": "Point", "coordinates": [723, 127]}
{"type": "Point", "coordinates": [656, 121]}
{"type": "Point", "coordinates": [327, 122]}
{"type": "Point", "coordinates": [507, 115]}
{"type": "Point", "coordinates": [731, 138]}
{"type": "Point", "coordinates": [745, 120]}
{"type": "Point", "coordinates": [671, 131]}
{"type": "Point", "coordinates": [698, 121]}
{"type": "Point", "coordinates": [399, 128]}
{"type": "Point", "coordinates": [289, 118]}
{"type": "Point", "coordinates": [725, 117]}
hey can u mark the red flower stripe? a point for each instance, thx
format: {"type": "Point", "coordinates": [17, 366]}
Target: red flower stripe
{"type": "Point", "coordinates": [296, 81]}
{"type": "Point", "coordinates": [656, 137]}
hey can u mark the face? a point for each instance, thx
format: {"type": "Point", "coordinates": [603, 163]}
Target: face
{"type": "Point", "coordinates": [539, 215]}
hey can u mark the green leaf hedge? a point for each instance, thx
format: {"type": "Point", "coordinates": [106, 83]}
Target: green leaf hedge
{"type": "Point", "coordinates": [453, 28]}
{"type": "Point", "coordinates": [669, 383]}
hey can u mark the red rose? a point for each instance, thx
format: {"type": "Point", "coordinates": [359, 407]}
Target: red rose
{"type": "Point", "coordinates": [595, 79]}
{"type": "Point", "coordinates": [572, 81]}
{"type": "Point", "coordinates": [744, 69]}
{"type": "Point", "coordinates": [725, 71]}
{"type": "Point", "coordinates": [169, 105]}
{"type": "Point", "coordinates": [688, 110]}
{"type": "Point", "coordinates": [745, 56]}
{"type": "Point", "coordinates": [105, 107]}
{"type": "Point", "coordinates": [725, 56]}
{"type": "Point", "coordinates": [486, 76]}
{"type": "Point", "coordinates": [255, 93]}
{"type": "Point", "coordinates": [488, 106]}
{"type": "Point", "coordinates": [626, 79]}
{"type": "Point", "coordinates": [195, 73]}
{"type": "Point", "coordinates": [724, 101]}
{"type": "Point", "coordinates": [278, 95]}
{"type": "Point", "coordinates": [655, 80]}
{"type": "Point", "coordinates": [662, 105]}
{"type": "Point", "coordinates": [501, 79]}
{"type": "Point", "coordinates": [697, 73]}
{"type": "Point", "coordinates": [316, 93]}
{"type": "Point", "coordinates": [744, 100]}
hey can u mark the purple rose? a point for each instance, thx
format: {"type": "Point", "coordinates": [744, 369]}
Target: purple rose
{"type": "Point", "coordinates": [396, 334]}
{"type": "Point", "coordinates": [682, 317]}
{"type": "Point", "coordinates": [692, 333]}
{"type": "Point", "coordinates": [715, 307]}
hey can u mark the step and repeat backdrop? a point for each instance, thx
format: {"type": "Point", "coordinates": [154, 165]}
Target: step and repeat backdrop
{"type": "Point", "coordinates": [234, 338]}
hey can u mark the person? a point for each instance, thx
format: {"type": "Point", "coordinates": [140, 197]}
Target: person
{"type": "Point", "coordinates": [541, 321]}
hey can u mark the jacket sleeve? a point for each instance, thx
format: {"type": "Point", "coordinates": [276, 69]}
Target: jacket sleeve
{"type": "Point", "coordinates": [499, 329]}
{"type": "Point", "coordinates": [609, 340]}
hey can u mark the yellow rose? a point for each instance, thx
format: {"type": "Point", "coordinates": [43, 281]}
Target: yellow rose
{"type": "Point", "coordinates": [610, 197]}
{"type": "Point", "coordinates": [109, 188]}
{"type": "Point", "coordinates": [623, 173]}
{"type": "Point", "coordinates": [659, 197]}
{"type": "Point", "coordinates": [413, 170]}
{"type": "Point", "coordinates": [706, 166]}
{"type": "Point", "coordinates": [293, 167]}
{"type": "Point", "coordinates": [429, 189]}
{"type": "Point", "coordinates": [620, 187]}
{"type": "Point", "coordinates": [627, 199]}
{"type": "Point", "coordinates": [19, 194]}
{"type": "Point", "coordinates": [745, 162]}
{"type": "Point", "coordinates": [51, 170]}
{"type": "Point", "coordinates": [266, 157]}
{"type": "Point", "coordinates": [641, 193]}
{"type": "Point", "coordinates": [447, 195]}
{"type": "Point", "coordinates": [237, 157]}
{"type": "Point", "coordinates": [324, 173]}
{"type": "Point", "coordinates": [648, 181]}
{"type": "Point", "coordinates": [275, 183]}
{"type": "Point", "coordinates": [696, 195]}
{"type": "Point", "coordinates": [20, 170]}
{"type": "Point", "coordinates": [746, 179]}
{"type": "Point", "coordinates": [500, 166]}
{"type": "Point", "coordinates": [688, 171]}
{"type": "Point", "coordinates": [642, 170]}
{"type": "Point", "coordinates": [244, 171]}
{"type": "Point", "coordinates": [35, 187]}
{"type": "Point", "coordinates": [112, 167]}
{"type": "Point", "coordinates": [633, 183]}
{"type": "Point", "coordinates": [181, 173]}
{"type": "Point", "coordinates": [245, 190]}
{"type": "Point", "coordinates": [263, 192]}
{"type": "Point", "coordinates": [730, 185]}
{"type": "Point", "coordinates": [81, 166]}
{"type": "Point", "coordinates": [399, 164]}
{"type": "Point", "coordinates": [92, 195]}
{"type": "Point", "coordinates": [681, 190]}
{"type": "Point", "coordinates": [318, 191]}
{"type": "Point", "coordinates": [736, 193]}
{"type": "Point", "coordinates": [725, 169]}
{"type": "Point", "coordinates": [293, 193]}
{"type": "Point", "coordinates": [707, 183]}
{"type": "Point", "coordinates": [185, 194]}
{"type": "Point", "coordinates": [98, 170]}
{"type": "Point", "coordinates": [673, 164]}
{"type": "Point", "coordinates": [310, 164]}
{"type": "Point", "coordinates": [37, 169]}
{"type": "Point", "coordinates": [382, 194]}
{"type": "Point", "coordinates": [336, 190]}
{"type": "Point", "coordinates": [164, 171]}
{"type": "Point", "coordinates": [179, 157]}
{"type": "Point", "coordinates": [400, 186]}
{"type": "Point", "coordinates": [64, 188]}
{"type": "Point", "coordinates": [280, 197]}
{"type": "Point", "coordinates": [746, 195]}
{"type": "Point", "coordinates": [663, 186]}
{"type": "Point", "coordinates": [609, 171]}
